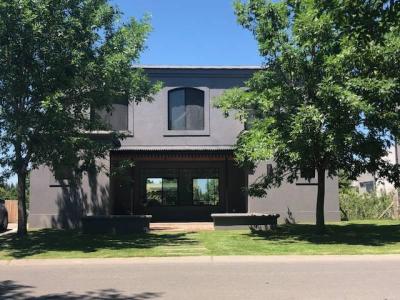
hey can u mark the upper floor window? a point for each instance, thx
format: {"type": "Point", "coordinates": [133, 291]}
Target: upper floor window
{"type": "Point", "coordinates": [117, 117]}
{"type": "Point", "coordinates": [369, 186]}
{"type": "Point", "coordinates": [186, 109]}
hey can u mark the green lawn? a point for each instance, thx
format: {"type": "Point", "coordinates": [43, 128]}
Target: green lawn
{"type": "Point", "coordinates": [361, 237]}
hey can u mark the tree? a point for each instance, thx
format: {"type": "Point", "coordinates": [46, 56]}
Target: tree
{"type": "Point", "coordinates": [327, 97]}
{"type": "Point", "coordinates": [59, 61]}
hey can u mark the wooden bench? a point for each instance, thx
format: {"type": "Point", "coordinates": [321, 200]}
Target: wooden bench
{"type": "Point", "coordinates": [245, 220]}
{"type": "Point", "coordinates": [116, 224]}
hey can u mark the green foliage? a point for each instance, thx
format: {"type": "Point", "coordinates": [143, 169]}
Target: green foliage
{"type": "Point", "coordinates": [59, 61]}
{"type": "Point", "coordinates": [8, 192]}
{"type": "Point", "coordinates": [356, 206]}
{"type": "Point", "coordinates": [328, 94]}
{"type": "Point", "coordinates": [122, 167]}
{"type": "Point", "coordinates": [344, 181]}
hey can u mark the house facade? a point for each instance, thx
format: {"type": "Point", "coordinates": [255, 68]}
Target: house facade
{"type": "Point", "coordinates": [369, 183]}
{"type": "Point", "coordinates": [183, 162]}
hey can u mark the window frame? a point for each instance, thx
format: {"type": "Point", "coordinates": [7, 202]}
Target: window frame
{"type": "Point", "coordinates": [219, 191]}
{"type": "Point", "coordinates": [171, 132]}
{"type": "Point", "coordinates": [186, 103]}
{"type": "Point", "coordinates": [366, 184]}
{"type": "Point", "coordinates": [130, 121]}
{"type": "Point", "coordinates": [162, 192]}
{"type": "Point", "coordinates": [303, 181]}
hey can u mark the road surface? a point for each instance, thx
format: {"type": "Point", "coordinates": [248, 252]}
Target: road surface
{"type": "Point", "coordinates": [279, 277]}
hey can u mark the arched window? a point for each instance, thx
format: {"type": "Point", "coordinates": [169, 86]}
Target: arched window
{"type": "Point", "coordinates": [186, 109]}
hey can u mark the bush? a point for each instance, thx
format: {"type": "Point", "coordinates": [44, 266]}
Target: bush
{"type": "Point", "coordinates": [356, 206]}
{"type": "Point", "coordinates": [8, 192]}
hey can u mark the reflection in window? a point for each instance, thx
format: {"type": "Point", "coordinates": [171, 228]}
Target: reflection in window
{"type": "Point", "coordinates": [205, 191]}
{"type": "Point", "coordinates": [161, 191]}
{"type": "Point", "coordinates": [186, 109]}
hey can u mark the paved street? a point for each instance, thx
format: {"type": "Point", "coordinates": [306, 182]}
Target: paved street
{"type": "Point", "coordinates": [294, 277]}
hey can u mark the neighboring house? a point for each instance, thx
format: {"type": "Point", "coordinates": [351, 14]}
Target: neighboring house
{"type": "Point", "coordinates": [184, 166]}
{"type": "Point", "coordinates": [368, 183]}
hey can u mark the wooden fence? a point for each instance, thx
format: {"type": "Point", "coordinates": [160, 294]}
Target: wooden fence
{"type": "Point", "coordinates": [12, 208]}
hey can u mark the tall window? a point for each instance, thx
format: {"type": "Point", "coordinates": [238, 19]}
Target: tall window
{"type": "Point", "coordinates": [186, 109]}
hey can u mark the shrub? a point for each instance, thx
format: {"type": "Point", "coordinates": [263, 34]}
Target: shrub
{"type": "Point", "coordinates": [356, 206]}
{"type": "Point", "coordinates": [8, 192]}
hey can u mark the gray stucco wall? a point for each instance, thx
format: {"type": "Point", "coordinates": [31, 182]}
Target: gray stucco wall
{"type": "Point", "coordinates": [63, 206]}
{"type": "Point", "coordinates": [150, 119]}
{"type": "Point", "coordinates": [296, 202]}
{"type": "Point", "coordinates": [147, 124]}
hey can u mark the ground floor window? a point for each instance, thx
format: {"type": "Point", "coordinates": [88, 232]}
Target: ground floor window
{"type": "Point", "coordinates": [161, 191]}
{"type": "Point", "coordinates": [184, 187]}
{"type": "Point", "coordinates": [205, 191]}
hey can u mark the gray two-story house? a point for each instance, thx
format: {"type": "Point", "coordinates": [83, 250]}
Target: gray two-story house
{"type": "Point", "coordinates": [184, 168]}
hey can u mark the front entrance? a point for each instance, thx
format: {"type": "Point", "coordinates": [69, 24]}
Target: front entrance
{"type": "Point", "coordinates": [173, 189]}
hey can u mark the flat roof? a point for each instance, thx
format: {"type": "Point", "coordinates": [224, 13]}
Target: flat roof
{"type": "Point", "coordinates": [196, 67]}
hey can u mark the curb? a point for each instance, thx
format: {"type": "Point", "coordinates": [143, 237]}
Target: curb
{"type": "Point", "coordinates": [203, 259]}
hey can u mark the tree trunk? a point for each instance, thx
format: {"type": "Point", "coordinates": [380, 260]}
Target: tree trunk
{"type": "Point", "coordinates": [320, 217]}
{"type": "Point", "coordinates": [22, 221]}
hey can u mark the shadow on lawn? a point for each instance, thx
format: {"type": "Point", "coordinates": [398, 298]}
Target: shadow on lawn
{"type": "Point", "coordinates": [12, 290]}
{"type": "Point", "coordinates": [46, 240]}
{"type": "Point", "coordinates": [350, 234]}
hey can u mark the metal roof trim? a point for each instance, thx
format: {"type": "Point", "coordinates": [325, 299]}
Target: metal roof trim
{"type": "Point", "coordinates": [175, 148]}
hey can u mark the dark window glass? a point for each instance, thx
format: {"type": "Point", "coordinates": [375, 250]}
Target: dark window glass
{"type": "Point", "coordinates": [369, 186]}
{"type": "Point", "coordinates": [186, 109]}
{"type": "Point", "coordinates": [177, 110]}
{"type": "Point", "coordinates": [161, 191]}
{"type": "Point", "coordinates": [116, 118]}
{"type": "Point", "coordinates": [205, 191]}
{"type": "Point", "coordinates": [194, 109]}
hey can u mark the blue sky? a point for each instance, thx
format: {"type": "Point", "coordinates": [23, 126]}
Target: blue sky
{"type": "Point", "coordinates": [193, 32]}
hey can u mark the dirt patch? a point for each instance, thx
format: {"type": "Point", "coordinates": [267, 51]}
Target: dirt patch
{"type": "Point", "coordinates": [183, 227]}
